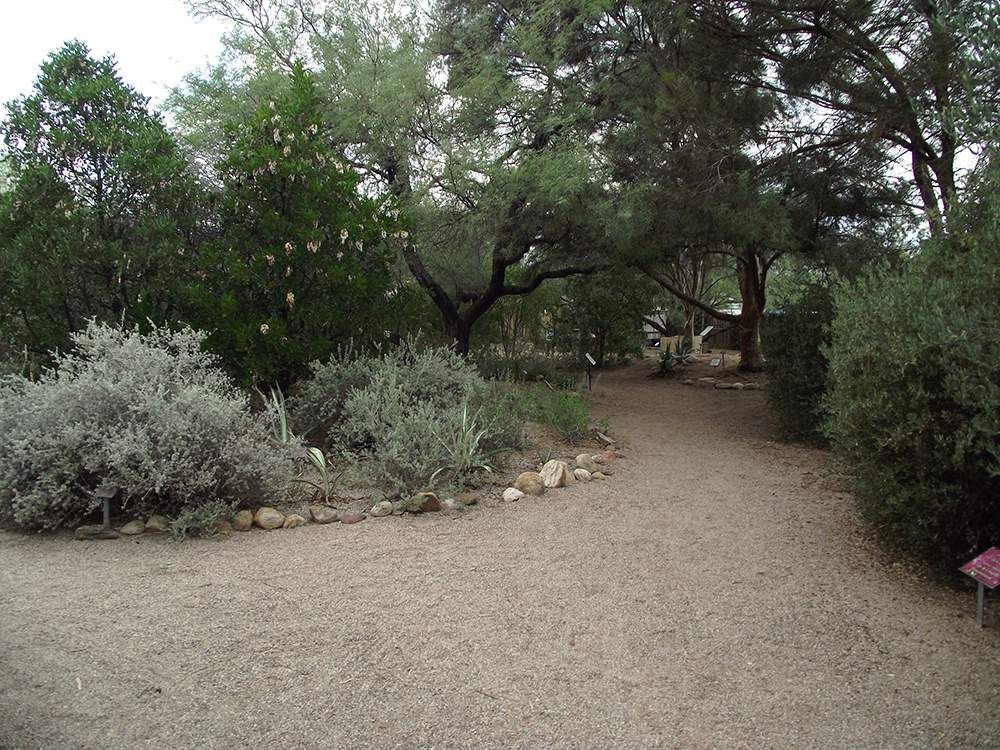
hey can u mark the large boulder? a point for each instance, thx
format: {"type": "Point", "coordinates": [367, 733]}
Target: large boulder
{"type": "Point", "coordinates": [132, 528]}
{"type": "Point", "coordinates": [268, 518]}
{"type": "Point", "coordinates": [530, 483]}
{"type": "Point", "coordinates": [158, 524]}
{"type": "Point", "coordinates": [586, 461]}
{"type": "Point", "coordinates": [243, 521]}
{"type": "Point", "coordinates": [512, 495]}
{"type": "Point", "coordinates": [380, 509]}
{"type": "Point", "coordinates": [95, 532]}
{"type": "Point", "coordinates": [323, 514]}
{"type": "Point", "coordinates": [556, 473]}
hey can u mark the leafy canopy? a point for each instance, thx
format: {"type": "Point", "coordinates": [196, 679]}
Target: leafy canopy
{"type": "Point", "coordinates": [101, 205]}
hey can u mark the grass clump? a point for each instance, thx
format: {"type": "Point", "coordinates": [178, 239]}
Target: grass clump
{"type": "Point", "coordinates": [563, 410]}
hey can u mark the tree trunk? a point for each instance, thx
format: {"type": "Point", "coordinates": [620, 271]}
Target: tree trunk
{"type": "Point", "coordinates": [749, 329]}
{"type": "Point", "coordinates": [752, 276]}
{"type": "Point", "coordinates": [458, 332]}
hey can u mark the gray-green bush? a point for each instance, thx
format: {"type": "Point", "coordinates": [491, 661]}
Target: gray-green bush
{"type": "Point", "coordinates": [151, 413]}
{"type": "Point", "coordinates": [918, 415]}
{"type": "Point", "coordinates": [410, 416]}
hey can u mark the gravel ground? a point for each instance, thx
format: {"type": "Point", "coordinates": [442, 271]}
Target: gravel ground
{"type": "Point", "coordinates": [717, 591]}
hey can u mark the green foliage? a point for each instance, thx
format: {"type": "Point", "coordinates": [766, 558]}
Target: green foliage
{"type": "Point", "coordinates": [302, 262]}
{"type": "Point", "coordinates": [668, 361]}
{"type": "Point", "coordinates": [409, 416]}
{"type": "Point", "coordinates": [101, 205]}
{"type": "Point", "coordinates": [603, 314]}
{"type": "Point", "coordinates": [558, 370]}
{"type": "Point", "coordinates": [150, 413]}
{"type": "Point", "coordinates": [666, 365]}
{"type": "Point", "coordinates": [436, 376]}
{"type": "Point", "coordinates": [795, 337]}
{"type": "Point", "coordinates": [325, 483]}
{"type": "Point", "coordinates": [564, 410]}
{"type": "Point", "coordinates": [502, 412]}
{"type": "Point", "coordinates": [281, 429]}
{"type": "Point", "coordinates": [201, 519]}
{"type": "Point", "coordinates": [918, 415]}
{"type": "Point", "coordinates": [516, 328]}
{"type": "Point", "coordinates": [463, 446]}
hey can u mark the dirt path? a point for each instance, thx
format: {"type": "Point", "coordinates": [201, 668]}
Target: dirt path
{"type": "Point", "coordinates": [716, 592]}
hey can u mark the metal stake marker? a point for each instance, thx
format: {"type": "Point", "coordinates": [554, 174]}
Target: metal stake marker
{"type": "Point", "coordinates": [107, 492]}
{"type": "Point", "coordinates": [590, 363]}
{"type": "Point", "coordinates": [980, 603]}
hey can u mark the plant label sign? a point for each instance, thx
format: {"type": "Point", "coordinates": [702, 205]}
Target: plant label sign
{"type": "Point", "coordinates": [704, 333]}
{"type": "Point", "coordinates": [985, 568]}
{"type": "Point", "coordinates": [716, 361]}
{"type": "Point", "coordinates": [591, 359]}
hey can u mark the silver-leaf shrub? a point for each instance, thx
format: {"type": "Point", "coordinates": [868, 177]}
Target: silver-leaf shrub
{"type": "Point", "coordinates": [149, 412]}
{"type": "Point", "coordinates": [410, 416]}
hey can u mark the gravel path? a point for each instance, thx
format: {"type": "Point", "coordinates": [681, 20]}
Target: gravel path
{"type": "Point", "coordinates": [717, 591]}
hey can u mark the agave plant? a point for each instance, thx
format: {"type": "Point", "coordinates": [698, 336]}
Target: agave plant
{"type": "Point", "coordinates": [462, 447]}
{"type": "Point", "coordinates": [327, 483]}
{"type": "Point", "coordinates": [279, 410]}
{"type": "Point", "coordinates": [669, 360]}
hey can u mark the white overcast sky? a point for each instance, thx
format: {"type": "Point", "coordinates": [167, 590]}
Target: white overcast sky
{"type": "Point", "coordinates": [155, 42]}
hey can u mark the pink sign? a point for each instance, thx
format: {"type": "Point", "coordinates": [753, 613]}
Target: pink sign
{"type": "Point", "coordinates": [985, 568]}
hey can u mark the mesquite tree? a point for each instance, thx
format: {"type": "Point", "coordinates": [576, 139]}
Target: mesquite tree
{"type": "Point", "coordinates": [476, 148]}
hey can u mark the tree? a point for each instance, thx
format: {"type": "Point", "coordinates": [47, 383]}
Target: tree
{"type": "Point", "coordinates": [678, 130]}
{"type": "Point", "coordinates": [693, 145]}
{"type": "Point", "coordinates": [861, 72]}
{"type": "Point", "coordinates": [498, 187]}
{"type": "Point", "coordinates": [603, 315]}
{"type": "Point", "coordinates": [102, 206]}
{"type": "Point", "coordinates": [301, 263]}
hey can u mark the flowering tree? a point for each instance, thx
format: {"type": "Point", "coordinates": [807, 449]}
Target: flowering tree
{"type": "Point", "coordinates": [301, 261]}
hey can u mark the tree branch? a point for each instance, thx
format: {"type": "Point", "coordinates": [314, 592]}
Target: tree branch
{"type": "Point", "coordinates": [665, 283]}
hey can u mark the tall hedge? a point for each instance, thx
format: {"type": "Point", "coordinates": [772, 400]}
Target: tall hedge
{"type": "Point", "coordinates": [794, 338]}
{"type": "Point", "coordinates": [914, 393]}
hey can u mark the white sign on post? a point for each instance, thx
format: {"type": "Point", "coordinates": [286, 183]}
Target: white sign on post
{"type": "Point", "coordinates": [591, 359]}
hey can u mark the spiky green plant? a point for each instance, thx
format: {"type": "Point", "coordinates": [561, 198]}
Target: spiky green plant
{"type": "Point", "coordinates": [327, 483]}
